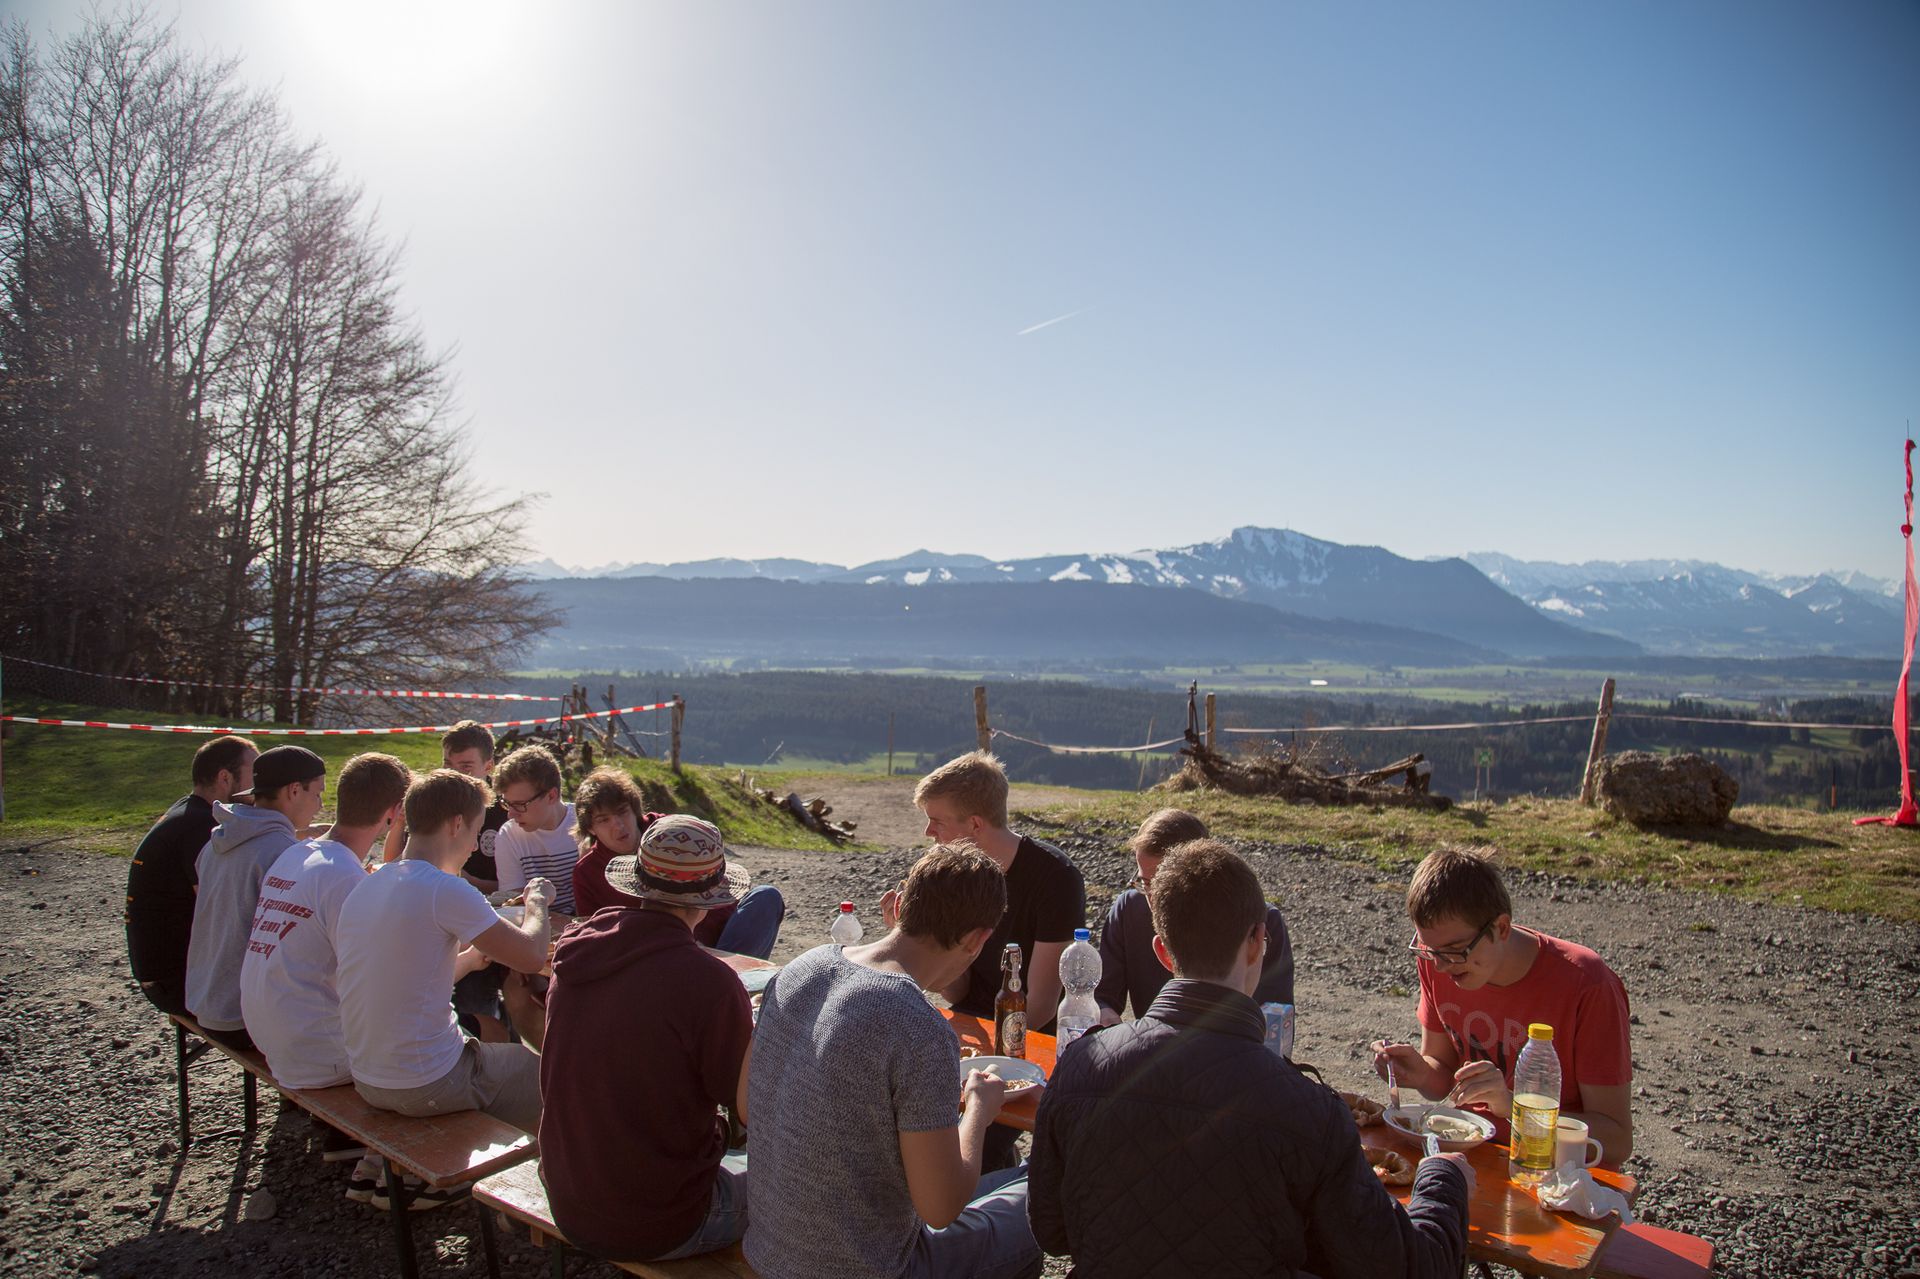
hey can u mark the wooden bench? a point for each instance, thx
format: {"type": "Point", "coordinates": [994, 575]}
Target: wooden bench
{"type": "Point", "coordinates": [519, 1194]}
{"type": "Point", "coordinates": [1649, 1252]}
{"type": "Point", "coordinates": [441, 1150]}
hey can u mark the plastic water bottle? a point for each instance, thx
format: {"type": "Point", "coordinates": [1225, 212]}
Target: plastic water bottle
{"type": "Point", "coordinates": [846, 928]}
{"type": "Point", "coordinates": [1079, 974]}
{"type": "Point", "coordinates": [1536, 1108]}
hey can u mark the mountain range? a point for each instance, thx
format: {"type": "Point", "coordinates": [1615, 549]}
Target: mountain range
{"type": "Point", "coordinates": [1482, 606]}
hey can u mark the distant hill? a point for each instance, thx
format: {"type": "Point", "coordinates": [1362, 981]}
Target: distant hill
{"type": "Point", "coordinates": [618, 622]}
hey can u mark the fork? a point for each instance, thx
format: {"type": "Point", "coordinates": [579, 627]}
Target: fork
{"type": "Point", "coordinates": [1393, 1083]}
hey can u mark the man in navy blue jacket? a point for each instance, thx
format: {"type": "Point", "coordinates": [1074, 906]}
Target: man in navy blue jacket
{"type": "Point", "coordinates": [1177, 1144]}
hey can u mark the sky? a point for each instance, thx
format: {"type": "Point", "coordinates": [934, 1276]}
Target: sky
{"type": "Point", "coordinates": [839, 280]}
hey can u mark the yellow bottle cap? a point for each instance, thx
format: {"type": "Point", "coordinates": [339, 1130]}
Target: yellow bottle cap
{"type": "Point", "coordinates": [1539, 1030]}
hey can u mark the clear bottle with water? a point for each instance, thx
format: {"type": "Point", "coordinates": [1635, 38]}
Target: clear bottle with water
{"type": "Point", "coordinates": [846, 928]}
{"type": "Point", "coordinates": [1079, 974]}
{"type": "Point", "coordinates": [1536, 1108]}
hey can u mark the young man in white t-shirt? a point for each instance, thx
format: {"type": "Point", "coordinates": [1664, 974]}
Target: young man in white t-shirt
{"type": "Point", "coordinates": [287, 990]}
{"type": "Point", "coordinates": [405, 935]}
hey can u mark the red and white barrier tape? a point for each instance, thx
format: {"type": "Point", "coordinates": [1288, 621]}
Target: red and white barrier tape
{"type": "Point", "coordinates": [271, 688]}
{"type": "Point", "coordinates": [1090, 750]}
{"type": "Point", "coordinates": [255, 730]}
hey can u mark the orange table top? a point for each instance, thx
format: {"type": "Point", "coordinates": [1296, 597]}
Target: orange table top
{"type": "Point", "coordinates": [1505, 1224]}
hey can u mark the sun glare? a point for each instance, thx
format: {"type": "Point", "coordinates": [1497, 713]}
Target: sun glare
{"type": "Point", "coordinates": [410, 48]}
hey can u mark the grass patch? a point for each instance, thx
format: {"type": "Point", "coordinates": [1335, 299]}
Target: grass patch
{"type": "Point", "coordinates": [101, 789]}
{"type": "Point", "coordinates": [1786, 855]}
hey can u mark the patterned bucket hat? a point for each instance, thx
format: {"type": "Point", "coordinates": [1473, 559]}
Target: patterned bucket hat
{"type": "Point", "coordinates": [682, 862]}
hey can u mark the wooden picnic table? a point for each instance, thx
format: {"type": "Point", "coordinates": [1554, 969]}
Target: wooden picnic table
{"type": "Point", "coordinates": [978, 1035]}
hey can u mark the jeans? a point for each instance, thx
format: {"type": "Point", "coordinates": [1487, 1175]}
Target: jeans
{"type": "Point", "coordinates": [726, 1222]}
{"type": "Point", "coordinates": [990, 1239]}
{"type": "Point", "coordinates": [755, 923]}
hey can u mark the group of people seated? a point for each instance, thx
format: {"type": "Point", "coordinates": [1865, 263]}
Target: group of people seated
{"type": "Point", "coordinates": [1171, 1142]}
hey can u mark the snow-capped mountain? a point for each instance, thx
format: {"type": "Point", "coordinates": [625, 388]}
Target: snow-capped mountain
{"type": "Point", "coordinates": [1697, 608]}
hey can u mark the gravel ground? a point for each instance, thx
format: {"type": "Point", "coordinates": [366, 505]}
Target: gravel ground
{"type": "Point", "coordinates": [1776, 1110]}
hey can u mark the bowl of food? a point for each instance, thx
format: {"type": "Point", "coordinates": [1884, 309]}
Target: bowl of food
{"type": "Point", "coordinates": [1019, 1075]}
{"type": "Point", "coordinates": [1456, 1129]}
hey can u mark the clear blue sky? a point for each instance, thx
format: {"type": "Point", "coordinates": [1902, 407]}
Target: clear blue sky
{"type": "Point", "coordinates": [1567, 281]}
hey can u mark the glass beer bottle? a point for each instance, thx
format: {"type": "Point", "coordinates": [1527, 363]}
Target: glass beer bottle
{"type": "Point", "coordinates": [1010, 1007]}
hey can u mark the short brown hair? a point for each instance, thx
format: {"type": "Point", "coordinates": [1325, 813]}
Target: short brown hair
{"type": "Point", "coordinates": [469, 736]}
{"type": "Point", "coordinates": [1206, 904]}
{"type": "Point", "coordinates": [1164, 830]}
{"type": "Point", "coordinates": [369, 785]}
{"type": "Point", "coordinates": [976, 783]}
{"type": "Point", "coordinates": [442, 795]}
{"type": "Point", "coordinates": [1457, 883]}
{"type": "Point", "coordinates": [221, 755]}
{"type": "Point", "coordinates": [951, 891]}
{"type": "Point", "coordinates": [534, 764]}
{"type": "Point", "coordinates": [602, 791]}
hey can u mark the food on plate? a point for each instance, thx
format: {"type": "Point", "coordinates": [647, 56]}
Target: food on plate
{"type": "Point", "coordinates": [1366, 1111]}
{"type": "Point", "coordinates": [1392, 1167]}
{"type": "Point", "coordinates": [1013, 1085]}
{"type": "Point", "coordinates": [1448, 1128]}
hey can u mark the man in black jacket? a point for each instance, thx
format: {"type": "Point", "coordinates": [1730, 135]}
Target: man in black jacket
{"type": "Point", "coordinates": [1178, 1145]}
{"type": "Point", "coordinates": [162, 882]}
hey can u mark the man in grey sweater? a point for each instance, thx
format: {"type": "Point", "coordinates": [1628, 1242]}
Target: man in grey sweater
{"type": "Point", "coordinates": [289, 783]}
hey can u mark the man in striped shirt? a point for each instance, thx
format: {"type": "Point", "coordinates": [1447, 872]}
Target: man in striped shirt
{"type": "Point", "coordinates": [536, 843]}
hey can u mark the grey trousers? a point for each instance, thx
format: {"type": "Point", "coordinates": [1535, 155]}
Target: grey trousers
{"type": "Point", "coordinates": [502, 1080]}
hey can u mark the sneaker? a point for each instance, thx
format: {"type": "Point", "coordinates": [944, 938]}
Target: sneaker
{"type": "Point", "coordinates": [420, 1196]}
{"type": "Point", "coordinates": [336, 1147]}
{"type": "Point", "coordinates": [365, 1181]}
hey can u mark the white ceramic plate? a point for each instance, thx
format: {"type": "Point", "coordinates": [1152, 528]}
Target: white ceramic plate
{"type": "Point", "coordinates": [1411, 1120]}
{"type": "Point", "coordinates": [512, 914]}
{"type": "Point", "coordinates": [1020, 1075]}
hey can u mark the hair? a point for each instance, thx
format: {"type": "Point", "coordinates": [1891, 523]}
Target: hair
{"type": "Point", "coordinates": [469, 736]}
{"type": "Point", "coordinates": [221, 755]}
{"type": "Point", "coordinates": [534, 764]}
{"type": "Point", "coordinates": [1206, 904]}
{"type": "Point", "coordinates": [1165, 830]}
{"type": "Point", "coordinates": [1457, 883]}
{"type": "Point", "coordinates": [951, 891]}
{"type": "Point", "coordinates": [975, 783]}
{"type": "Point", "coordinates": [442, 795]}
{"type": "Point", "coordinates": [369, 785]}
{"type": "Point", "coordinates": [602, 791]}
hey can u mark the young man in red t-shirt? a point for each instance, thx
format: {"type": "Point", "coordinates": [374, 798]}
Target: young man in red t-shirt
{"type": "Point", "coordinates": [1483, 979]}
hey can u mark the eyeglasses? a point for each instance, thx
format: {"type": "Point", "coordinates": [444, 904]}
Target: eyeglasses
{"type": "Point", "coordinates": [1451, 958]}
{"type": "Point", "coordinates": [519, 806]}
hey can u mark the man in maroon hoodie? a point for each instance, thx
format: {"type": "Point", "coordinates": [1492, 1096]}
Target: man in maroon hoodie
{"type": "Point", "coordinates": [614, 1118]}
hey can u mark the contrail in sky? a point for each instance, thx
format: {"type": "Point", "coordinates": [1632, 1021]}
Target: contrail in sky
{"type": "Point", "coordinates": [1055, 320]}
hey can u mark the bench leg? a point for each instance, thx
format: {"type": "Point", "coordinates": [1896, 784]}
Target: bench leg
{"type": "Point", "coordinates": [402, 1224]}
{"type": "Point", "coordinates": [249, 1102]}
{"type": "Point", "coordinates": [559, 1254]}
{"type": "Point", "coordinates": [486, 1239]}
{"type": "Point", "coordinates": [180, 1075]}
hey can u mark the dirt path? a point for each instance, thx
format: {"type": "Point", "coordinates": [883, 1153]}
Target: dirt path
{"type": "Point", "coordinates": [1773, 1052]}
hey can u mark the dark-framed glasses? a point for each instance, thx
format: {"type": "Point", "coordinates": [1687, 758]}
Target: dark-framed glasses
{"type": "Point", "coordinates": [519, 806]}
{"type": "Point", "coordinates": [1451, 957]}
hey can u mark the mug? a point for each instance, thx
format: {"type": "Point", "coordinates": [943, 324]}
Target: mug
{"type": "Point", "coordinates": [1571, 1140]}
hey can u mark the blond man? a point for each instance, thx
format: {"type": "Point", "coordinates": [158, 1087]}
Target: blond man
{"type": "Point", "coordinates": [537, 841]}
{"type": "Point", "coordinates": [965, 802]}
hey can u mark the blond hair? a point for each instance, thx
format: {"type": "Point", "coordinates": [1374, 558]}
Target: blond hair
{"type": "Point", "coordinates": [435, 800]}
{"type": "Point", "coordinates": [975, 784]}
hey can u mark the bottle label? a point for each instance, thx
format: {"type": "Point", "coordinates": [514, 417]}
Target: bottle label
{"type": "Point", "coordinates": [1534, 1120]}
{"type": "Point", "coordinates": [1013, 1035]}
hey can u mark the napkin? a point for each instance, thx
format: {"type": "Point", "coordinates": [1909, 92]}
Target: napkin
{"type": "Point", "coordinates": [1574, 1190]}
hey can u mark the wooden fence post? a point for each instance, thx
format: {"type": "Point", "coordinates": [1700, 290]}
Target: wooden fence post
{"type": "Point", "coordinates": [1211, 733]}
{"type": "Point", "coordinates": [981, 728]}
{"type": "Point", "coordinates": [679, 716]}
{"type": "Point", "coordinates": [1598, 750]}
